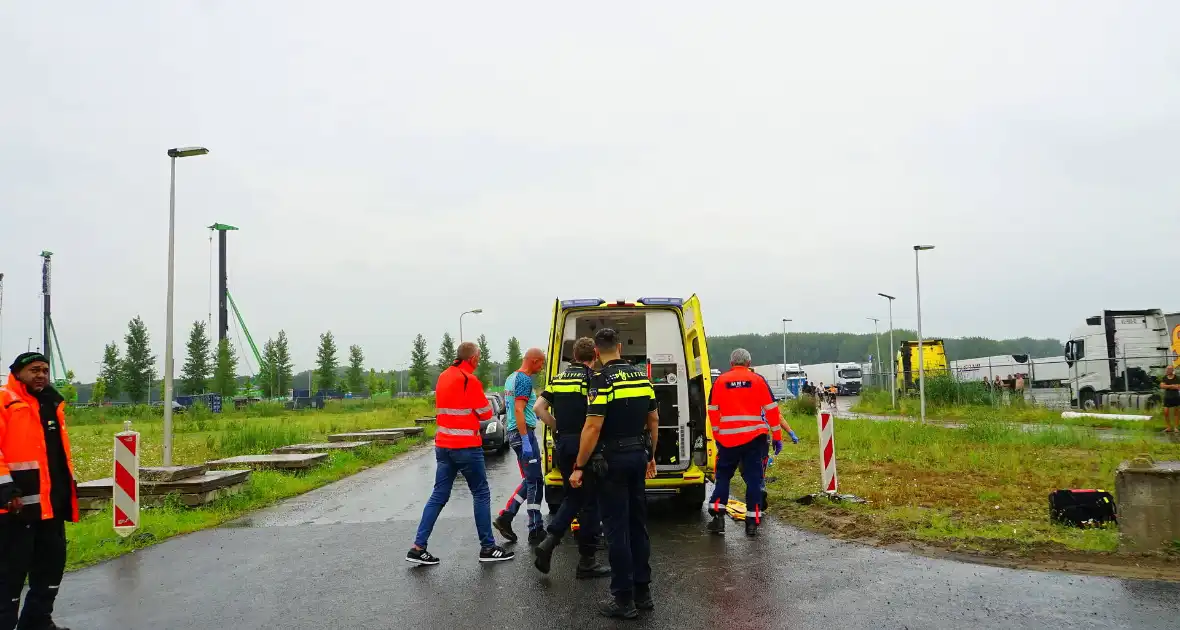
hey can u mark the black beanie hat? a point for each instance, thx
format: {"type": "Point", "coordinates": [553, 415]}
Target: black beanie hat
{"type": "Point", "coordinates": [26, 358]}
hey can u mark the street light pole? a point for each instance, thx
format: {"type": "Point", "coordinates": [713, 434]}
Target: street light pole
{"type": "Point", "coordinates": [785, 320]}
{"type": "Point", "coordinates": [892, 354]}
{"type": "Point", "coordinates": [167, 402]}
{"type": "Point", "coordinates": [877, 337]}
{"type": "Point", "coordinates": [921, 358]}
{"type": "Point", "coordinates": [475, 311]}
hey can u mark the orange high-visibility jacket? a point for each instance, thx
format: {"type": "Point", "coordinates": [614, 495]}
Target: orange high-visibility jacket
{"type": "Point", "coordinates": [23, 461]}
{"type": "Point", "coordinates": [461, 404]}
{"type": "Point", "coordinates": [742, 407]}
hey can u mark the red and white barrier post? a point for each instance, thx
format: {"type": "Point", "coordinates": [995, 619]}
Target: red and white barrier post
{"type": "Point", "coordinates": [827, 450]}
{"type": "Point", "coordinates": [125, 490]}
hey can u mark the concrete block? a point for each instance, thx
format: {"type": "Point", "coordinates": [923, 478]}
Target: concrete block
{"type": "Point", "coordinates": [321, 447]}
{"type": "Point", "coordinates": [387, 437]}
{"type": "Point", "coordinates": [211, 480]}
{"type": "Point", "coordinates": [424, 420]}
{"type": "Point", "coordinates": [170, 473]}
{"type": "Point", "coordinates": [283, 461]}
{"type": "Point", "coordinates": [403, 430]}
{"type": "Point", "coordinates": [1148, 498]}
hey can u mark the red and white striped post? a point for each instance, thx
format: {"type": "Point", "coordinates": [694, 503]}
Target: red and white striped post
{"type": "Point", "coordinates": [125, 490]}
{"type": "Point", "coordinates": [827, 451]}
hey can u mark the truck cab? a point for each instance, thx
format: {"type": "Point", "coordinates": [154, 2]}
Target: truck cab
{"type": "Point", "coordinates": [848, 379]}
{"type": "Point", "coordinates": [666, 337]}
{"type": "Point", "coordinates": [1117, 359]}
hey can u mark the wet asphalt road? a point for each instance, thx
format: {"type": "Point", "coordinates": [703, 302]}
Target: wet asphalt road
{"type": "Point", "coordinates": [333, 558]}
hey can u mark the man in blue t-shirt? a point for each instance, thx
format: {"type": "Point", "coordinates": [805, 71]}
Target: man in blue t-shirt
{"type": "Point", "coordinates": [518, 390]}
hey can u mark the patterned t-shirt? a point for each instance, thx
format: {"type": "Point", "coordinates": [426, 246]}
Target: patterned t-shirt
{"type": "Point", "coordinates": [520, 386]}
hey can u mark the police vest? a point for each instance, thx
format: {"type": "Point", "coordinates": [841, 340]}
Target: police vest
{"type": "Point", "coordinates": [622, 395]}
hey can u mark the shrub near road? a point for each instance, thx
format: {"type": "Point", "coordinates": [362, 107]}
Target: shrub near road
{"type": "Point", "coordinates": [982, 488]}
{"type": "Point", "coordinates": [199, 437]}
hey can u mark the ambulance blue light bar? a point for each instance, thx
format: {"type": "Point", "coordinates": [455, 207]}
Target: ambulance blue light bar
{"type": "Point", "coordinates": [661, 301]}
{"type": "Point", "coordinates": [582, 302]}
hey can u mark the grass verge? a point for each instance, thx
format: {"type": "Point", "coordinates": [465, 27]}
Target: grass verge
{"type": "Point", "coordinates": [878, 402]}
{"type": "Point", "coordinates": [202, 437]}
{"type": "Point", "coordinates": [983, 488]}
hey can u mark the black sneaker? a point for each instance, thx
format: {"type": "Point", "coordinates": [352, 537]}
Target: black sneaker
{"type": "Point", "coordinates": [503, 524]}
{"type": "Point", "coordinates": [612, 608]}
{"type": "Point", "coordinates": [495, 553]}
{"type": "Point", "coordinates": [717, 525]}
{"type": "Point", "coordinates": [536, 536]}
{"type": "Point", "coordinates": [421, 556]}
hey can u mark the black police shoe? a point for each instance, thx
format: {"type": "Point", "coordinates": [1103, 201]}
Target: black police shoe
{"type": "Point", "coordinates": [717, 525]}
{"type": "Point", "coordinates": [643, 600]}
{"type": "Point", "coordinates": [536, 536]}
{"type": "Point", "coordinates": [751, 527]}
{"type": "Point", "coordinates": [589, 568]}
{"type": "Point", "coordinates": [544, 553]}
{"type": "Point", "coordinates": [503, 524]}
{"type": "Point", "coordinates": [612, 608]}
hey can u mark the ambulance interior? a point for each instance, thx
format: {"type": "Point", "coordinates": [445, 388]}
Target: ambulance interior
{"type": "Point", "coordinates": [651, 337]}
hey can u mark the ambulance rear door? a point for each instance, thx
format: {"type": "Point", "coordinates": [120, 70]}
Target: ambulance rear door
{"type": "Point", "coordinates": [699, 378]}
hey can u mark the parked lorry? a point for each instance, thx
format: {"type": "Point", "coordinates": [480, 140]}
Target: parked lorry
{"type": "Point", "coordinates": [785, 379]}
{"type": "Point", "coordinates": [845, 376]}
{"type": "Point", "coordinates": [1118, 358]}
{"type": "Point", "coordinates": [933, 362]}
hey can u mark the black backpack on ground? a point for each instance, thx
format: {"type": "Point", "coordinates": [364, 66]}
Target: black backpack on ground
{"type": "Point", "coordinates": [1081, 508]}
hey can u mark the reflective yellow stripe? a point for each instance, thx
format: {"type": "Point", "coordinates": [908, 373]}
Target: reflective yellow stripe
{"type": "Point", "coordinates": [634, 392]}
{"type": "Point", "coordinates": [570, 388]}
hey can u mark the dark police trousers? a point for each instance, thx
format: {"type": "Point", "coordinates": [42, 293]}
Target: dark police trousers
{"type": "Point", "coordinates": [578, 502]}
{"type": "Point", "coordinates": [623, 502]}
{"type": "Point", "coordinates": [36, 549]}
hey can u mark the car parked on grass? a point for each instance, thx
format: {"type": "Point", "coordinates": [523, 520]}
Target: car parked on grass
{"type": "Point", "coordinates": [495, 430]}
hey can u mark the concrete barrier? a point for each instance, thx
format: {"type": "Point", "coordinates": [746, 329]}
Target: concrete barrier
{"type": "Point", "coordinates": [1148, 497]}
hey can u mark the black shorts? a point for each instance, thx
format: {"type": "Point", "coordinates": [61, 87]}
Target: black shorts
{"type": "Point", "coordinates": [1171, 403]}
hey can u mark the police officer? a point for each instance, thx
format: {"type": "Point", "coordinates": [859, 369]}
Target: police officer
{"type": "Point", "coordinates": [566, 396]}
{"type": "Point", "coordinates": [622, 406]}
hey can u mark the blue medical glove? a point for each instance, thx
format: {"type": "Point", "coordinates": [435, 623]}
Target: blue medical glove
{"type": "Point", "coordinates": [778, 446]}
{"type": "Point", "coordinates": [526, 447]}
{"type": "Point", "coordinates": [794, 438]}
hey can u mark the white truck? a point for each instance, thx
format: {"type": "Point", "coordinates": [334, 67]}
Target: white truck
{"type": "Point", "coordinates": [845, 376]}
{"type": "Point", "coordinates": [784, 379]}
{"type": "Point", "coordinates": [1118, 358]}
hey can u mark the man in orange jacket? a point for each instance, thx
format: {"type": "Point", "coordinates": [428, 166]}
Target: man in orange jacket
{"type": "Point", "coordinates": [37, 493]}
{"type": "Point", "coordinates": [743, 414]}
{"type": "Point", "coordinates": [458, 449]}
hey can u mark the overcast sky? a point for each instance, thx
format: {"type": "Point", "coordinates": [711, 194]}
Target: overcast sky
{"type": "Point", "coordinates": [392, 164]}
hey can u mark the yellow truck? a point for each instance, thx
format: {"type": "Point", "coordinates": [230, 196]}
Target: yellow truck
{"type": "Point", "coordinates": [665, 336]}
{"type": "Point", "coordinates": [934, 359]}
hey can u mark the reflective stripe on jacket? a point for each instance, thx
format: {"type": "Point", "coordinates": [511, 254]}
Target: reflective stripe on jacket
{"type": "Point", "coordinates": [23, 462]}
{"type": "Point", "coordinates": [742, 407]}
{"type": "Point", "coordinates": [461, 404]}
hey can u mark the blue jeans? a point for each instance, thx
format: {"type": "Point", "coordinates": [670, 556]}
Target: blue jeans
{"type": "Point", "coordinates": [622, 498]}
{"type": "Point", "coordinates": [531, 487]}
{"type": "Point", "coordinates": [752, 457]}
{"type": "Point", "coordinates": [451, 462]}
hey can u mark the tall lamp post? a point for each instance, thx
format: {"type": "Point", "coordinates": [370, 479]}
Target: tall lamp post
{"type": "Point", "coordinates": [474, 311]}
{"type": "Point", "coordinates": [877, 336]}
{"type": "Point", "coordinates": [785, 321]}
{"type": "Point", "coordinates": [892, 353]}
{"type": "Point", "coordinates": [180, 152]}
{"type": "Point", "coordinates": [921, 358]}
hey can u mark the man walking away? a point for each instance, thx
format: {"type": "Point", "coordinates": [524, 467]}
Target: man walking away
{"type": "Point", "coordinates": [38, 494]}
{"type": "Point", "coordinates": [622, 407]}
{"type": "Point", "coordinates": [742, 414]}
{"type": "Point", "coordinates": [1171, 387]}
{"type": "Point", "coordinates": [458, 449]}
{"type": "Point", "coordinates": [566, 395]}
{"type": "Point", "coordinates": [522, 423]}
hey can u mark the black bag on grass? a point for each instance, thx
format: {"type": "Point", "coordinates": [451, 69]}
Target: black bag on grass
{"type": "Point", "coordinates": [1081, 508]}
